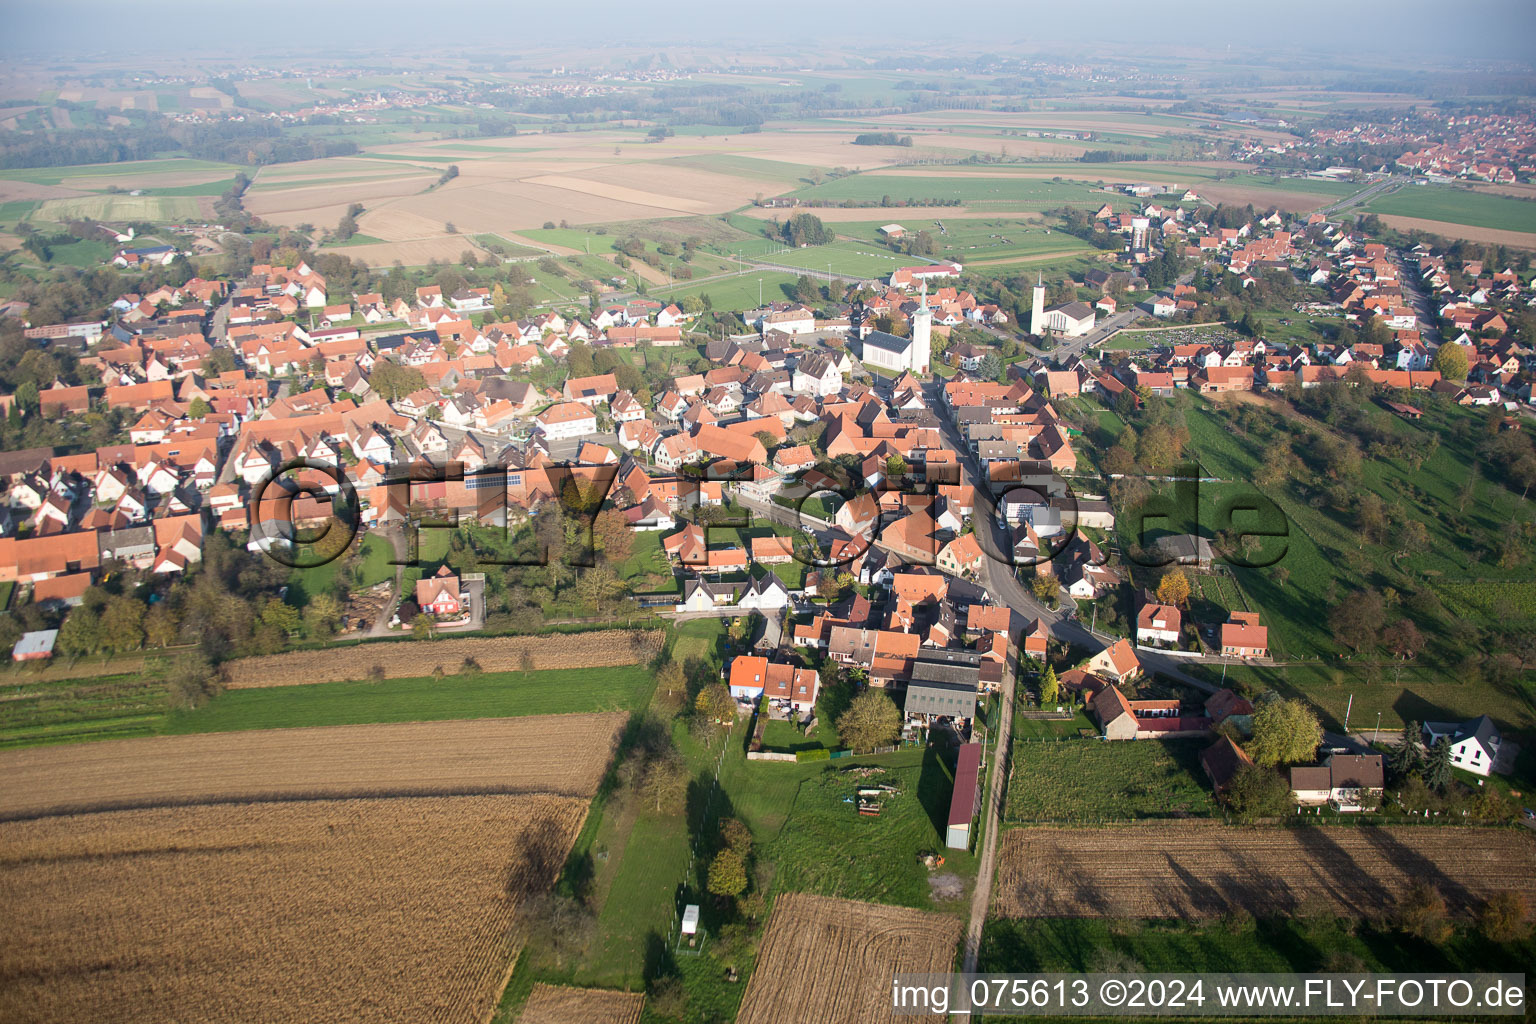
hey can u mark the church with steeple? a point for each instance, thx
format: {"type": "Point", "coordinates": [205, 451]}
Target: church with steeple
{"type": "Point", "coordinates": [892, 355]}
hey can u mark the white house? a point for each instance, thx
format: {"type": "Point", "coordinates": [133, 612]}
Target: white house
{"type": "Point", "coordinates": [566, 420]}
{"type": "Point", "coordinates": [817, 374]}
{"type": "Point", "coordinates": [766, 594]}
{"type": "Point", "coordinates": [1474, 744]}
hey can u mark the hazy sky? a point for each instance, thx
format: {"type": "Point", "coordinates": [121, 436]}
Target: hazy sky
{"type": "Point", "coordinates": [1463, 29]}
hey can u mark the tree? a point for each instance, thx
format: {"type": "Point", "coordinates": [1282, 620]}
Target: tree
{"type": "Point", "coordinates": [1404, 640]}
{"type": "Point", "coordinates": [1356, 622]}
{"type": "Point", "coordinates": [322, 615]}
{"type": "Point", "coordinates": [1173, 588]}
{"type": "Point", "coordinates": [191, 681]}
{"type": "Point", "coordinates": [1437, 764]}
{"type": "Point", "coordinates": [1504, 917]}
{"type": "Point", "coordinates": [1421, 913]}
{"type": "Point", "coordinates": [872, 720]}
{"type": "Point", "coordinates": [80, 633]}
{"type": "Point", "coordinates": [198, 409]}
{"type": "Point", "coordinates": [715, 704]}
{"type": "Point", "coordinates": [564, 925]}
{"type": "Point", "coordinates": [1451, 360]}
{"type": "Point", "coordinates": [1050, 687]}
{"type": "Point", "coordinates": [671, 679]}
{"type": "Point", "coordinates": [665, 784]}
{"type": "Point", "coordinates": [1258, 792]}
{"type": "Point", "coordinates": [1284, 732]}
{"type": "Point", "coordinates": [122, 624]}
{"type": "Point", "coordinates": [598, 584]}
{"type": "Point", "coordinates": [613, 536]}
{"type": "Point", "coordinates": [281, 615]}
{"type": "Point", "coordinates": [392, 381]}
{"type": "Point", "coordinates": [160, 626]}
{"type": "Point", "coordinates": [737, 835]}
{"type": "Point", "coordinates": [1405, 758]}
{"type": "Point", "coordinates": [667, 998]}
{"type": "Point", "coordinates": [1045, 586]}
{"type": "Point", "coordinates": [805, 229]}
{"type": "Point", "coordinates": [727, 874]}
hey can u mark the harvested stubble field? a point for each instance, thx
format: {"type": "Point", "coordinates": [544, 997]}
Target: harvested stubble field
{"type": "Point", "coordinates": [499, 755]}
{"type": "Point", "coordinates": [829, 961]}
{"type": "Point", "coordinates": [411, 658]}
{"type": "Point", "coordinates": [325, 911]}
{"type": "Point", "coordinates": [556, 1004]}
{"type": "Point", "coordinates": [1193, 870]}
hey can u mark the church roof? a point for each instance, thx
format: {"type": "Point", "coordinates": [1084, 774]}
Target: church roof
{"type": "Point", "coordinates": [888, 342]}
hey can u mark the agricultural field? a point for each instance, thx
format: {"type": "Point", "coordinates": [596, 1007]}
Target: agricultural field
{"type": "Point", "coordinates": [405, 660]}
{"type": "Point", "coordinates": [1458, 206]}
{"type": "Point", "coordinates": [1312, 940]}
{"type": "Point", "coordinates": [1084, 780]}
{"type": "Point", "coordinates": [315, 910]}
{"type": "Point", "coordinates": [122, 208]}
{"type": "Point", "coordinates": [1004, 191]}
{"type": "Point", "coordinates": [508, 755]}
{"type": "Point", "coordinates": [828, 961]}
{"type": "Point", "coordinates": [554, 1004]}
{"type": "Point", "coordinates": [421, 699]}
{"type": "Point", "coordinates": [127, 175]}
{"type": "Point", "coordinates": [1193, 871]}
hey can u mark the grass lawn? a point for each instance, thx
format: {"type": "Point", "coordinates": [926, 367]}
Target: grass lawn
{"type": "Point", "coordinates": [304, 584]}
{"type": "Point", "coordinates": [647, 569]}
{"type": "Point", "coordinates": [85, 253]}
{"type": "Point", "coordinates": [825, 846]}
{"type": "Point", "coordinates": [1325, 557]}
{"type": "Point", "coordinates": [424, 699]}
{"type": "Point", "coordinates": [375, 567]}
{"type": "Point", "coordinates": [1093, 780]}
{"type": "Point", "coordinates": [737, 292]}
{"type": "Point", "coordinates": [1405, 693]}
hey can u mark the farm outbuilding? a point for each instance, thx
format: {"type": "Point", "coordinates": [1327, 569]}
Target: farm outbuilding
{"type": "Point", "coordinates": [35, 646]}
{"type": "Point", "coordinates": [966, 800]}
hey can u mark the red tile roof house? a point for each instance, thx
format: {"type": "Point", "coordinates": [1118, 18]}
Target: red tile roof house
{"type": "Point", "coordinates": [1243, 637]}
{"type": "Point", "coordinates": [439, 595]}
{"type": "Point", "coordinates": [1122, 719]}
{"type": "Point", "coordinates": [1115, 662]}
{"type": "Point", "coordinates": [1158, 623]}
{"type": "Point", "coordinates": [753, 677]}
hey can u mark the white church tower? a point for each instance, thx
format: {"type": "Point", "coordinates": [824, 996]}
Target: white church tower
{"type": "Point", "coordinates": [1037, 311]}
{"type": "Point", "coordinates": [922, 330]}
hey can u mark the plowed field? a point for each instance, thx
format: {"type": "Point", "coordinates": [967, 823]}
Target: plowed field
{"type": "Point", "coordinates": [1192, 870]}
{"type": "Point", "coordinates": [830, 961]}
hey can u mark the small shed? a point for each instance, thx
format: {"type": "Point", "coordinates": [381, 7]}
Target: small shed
{"type": "Point", "coordinates": [691, 919]}
{"type": "Point", "coordinates": [35, 646]}
{"type": "Point", "coordinates": [966, 800]}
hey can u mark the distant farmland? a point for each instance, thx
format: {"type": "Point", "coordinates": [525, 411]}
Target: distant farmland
{"type": "Point", "coordinates": [1001, 191]}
